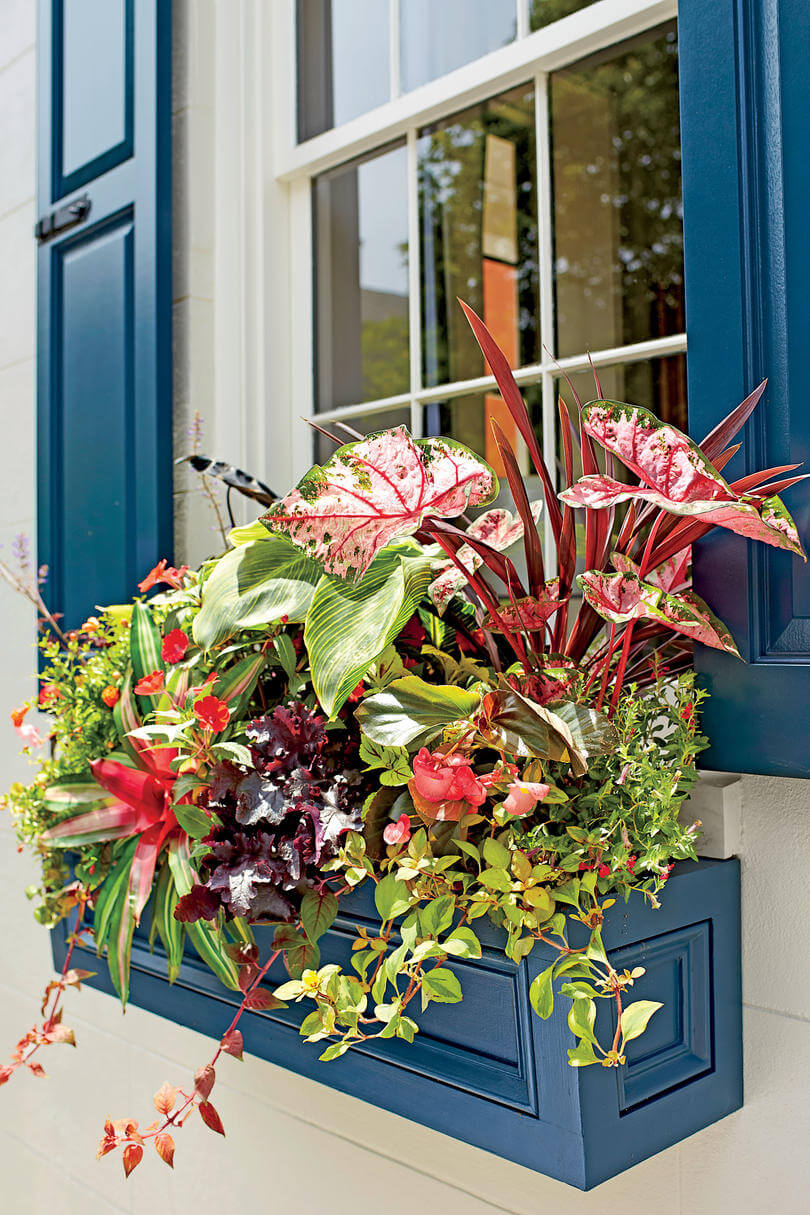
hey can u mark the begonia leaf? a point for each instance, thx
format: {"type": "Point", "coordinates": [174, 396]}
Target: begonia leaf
{"type": "Point", "coordinates": [409, 712]}
{"type": "Point", "coordinates": [369, 493]}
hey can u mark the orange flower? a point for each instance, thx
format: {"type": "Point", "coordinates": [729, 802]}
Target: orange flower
{"type": "Point", "coordinates": [18, 716]}
{"type": "Point", "coordinates": [150, 684]}
{"type": "Point", "coordinates": [212, 713]}
{"type": "Point", "coordinates": [111, 696]}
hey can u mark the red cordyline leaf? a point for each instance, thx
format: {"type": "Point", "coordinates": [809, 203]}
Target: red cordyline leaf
{"type": "Point", "coordinates": [530, 614]}
{"type": "Point", "coordinates": [211, 1118]}
{"type": "Point", "coordinates": [499, 529]}
{"type": "Point", "coordinates": [621, 597]}
{"type": "Point", "coordinates": [138, 789]}
{"type": "Point", "coordinates": [369, 493]}
{"type": "Point", "coordinates": [676, 476]}
{"type": "Point", "coordinates": [133, 1154]}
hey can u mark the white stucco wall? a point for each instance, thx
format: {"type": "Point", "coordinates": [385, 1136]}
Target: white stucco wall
{"type": "Point", "coordinates": [292, 1144]}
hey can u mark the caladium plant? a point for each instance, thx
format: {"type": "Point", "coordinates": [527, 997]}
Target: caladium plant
{"type": "Point", "coordinates": [373, 492]}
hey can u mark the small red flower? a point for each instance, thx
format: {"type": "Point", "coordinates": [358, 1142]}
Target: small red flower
{"type": "Point", "coordinates": [212, 713]}
{"type": "Point", "coordinates": [163, 572]}
{"type": "Point", "coordinates": [111, 696]}
{"type": "Point", "coordinates": [150, 684]}
{"type": "Point", "coordinates": [667, 872]}
{"type": "Point", "coordinates": [631, 863]}
{"type": "Point", "coordinates": [174, 646]}
{"type": "Point", "coordinates": [358, 693]}
{"type": "Point", "coordinates": [687, 713]}
{"type": "Point", "coordinates": [48, 694]}
{"type": "Point", "coordinates": [398, 832]}
{"type": "Point", "coordinates": [604, 871]}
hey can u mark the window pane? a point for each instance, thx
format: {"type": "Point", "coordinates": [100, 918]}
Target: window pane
{"type": "Point", "coordinates": [478, 217]}
{"type": "Point", "coordinates": [616, 160]}
{"type": "Point", "coordinates": [382, 420]}
{"type": "Point", "coordinates": [468, 419]}
{"type": "Point", "coordinates": [334, 37]}
{"type": "Point", "coordinates": [361, 259]}
{"type": "Point", "coordinates": [436, 38]}
{"type": "Point", "coordinates": [543, 12]}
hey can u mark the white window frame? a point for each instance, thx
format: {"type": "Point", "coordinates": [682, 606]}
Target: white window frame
{"type": "Point", "coordinates": [265, 349]}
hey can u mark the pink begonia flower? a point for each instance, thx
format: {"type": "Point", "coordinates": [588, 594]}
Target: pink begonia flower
{"type": "Point", "coordinates": [523, 796]}
{"type": "Point", "coordinates": [398, 832]}
{"type": "Point", "coordinates": [29, 734]}
{"type": "Point", "coordinates": [440, 778]}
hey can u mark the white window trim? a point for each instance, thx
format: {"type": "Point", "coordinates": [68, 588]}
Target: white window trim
{"type": "Point", "coordinates": [264, 300]}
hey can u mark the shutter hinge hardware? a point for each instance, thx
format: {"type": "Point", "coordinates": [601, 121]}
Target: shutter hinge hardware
{"type": "Point", "coordinates": [68, 216]}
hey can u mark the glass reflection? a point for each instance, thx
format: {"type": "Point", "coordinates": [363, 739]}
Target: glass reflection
{"type": "Point", "coordinates": [478, 217]}
{"type": "Point", "coordinates": [616, 162]}
{"type": "Point", "coordinates": [361, 258]}
{"type": "Point", "coordinates": [334, 37]}
{"type": "Point", "coordinates": [544, 12]}
{"type": "Point", "coordinates": [437, 38]}
{"type": "Point", "coordinates": [368, 424]}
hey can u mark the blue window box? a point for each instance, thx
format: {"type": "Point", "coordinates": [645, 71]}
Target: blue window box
{"type": "Point", "coordinates": [489, 1072]}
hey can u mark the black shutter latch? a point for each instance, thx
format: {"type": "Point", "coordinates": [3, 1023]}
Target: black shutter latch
{"type": "Point", "coordinates": [68, 216]}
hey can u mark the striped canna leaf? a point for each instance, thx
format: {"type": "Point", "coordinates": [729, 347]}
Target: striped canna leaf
{"type": "Point", "coordinates": [144, 650]}
{"type": "Point", "coordinates": [206, 937]}
{"type": "Point", "coordinates": [171, 931]}
{"type": "Point", "coordinates": [109, 894]}
{"type": "Point", "coordinates": [237, 685]}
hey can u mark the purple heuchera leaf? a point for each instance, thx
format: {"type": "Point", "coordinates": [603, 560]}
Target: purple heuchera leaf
{"type": "Point", "coordinates": [675, 476]}
{"type": "Point", "coordinates": [500, 529]}
{"type": "Point", "coordinates": [369, 493]}
{"type": "Point", "coordinates": [199, 904]}
{"type": "Point", "coordinates": [622, 597]}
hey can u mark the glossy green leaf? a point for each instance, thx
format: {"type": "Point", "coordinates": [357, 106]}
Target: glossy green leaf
{"type": "Point", "coordinates": [318, 911]}
{"type": "Point", "coordinates": [441, 985]}
{"type": "Point", "coordinates": [255, 584]}
{"type": "Point", "coordinates": [636, 1016]}
{"type": "Point", "coordinates": [581, 1019]}
{"type": "Point", "coordinates": [541, 993]}
{"type": "Point", "coordinates": [410, 712]}
{"type": "Point", "coordinates": [391, 898]}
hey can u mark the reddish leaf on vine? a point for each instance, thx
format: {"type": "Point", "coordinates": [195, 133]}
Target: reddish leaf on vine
{"type": "Point", "coordinates": [204, 1079]}
{"type": "Point", "coordinates": [60, 1033]}
{"type": "Point", "coordinates": [75, 977]}
{"type": "Point", "coordinates": [371, 492]}
{"type": "Point", "coordinates": [5, 1074]}
{"type": "Point", "coordinates": [36, 1069]}
{"type": "Point", "coordinates": [261, 1000]}
{"type": "Point", "coordinates": [165, 1098]}
{"type": "Point", "coordinates": [211, 1118]}
{"type": "Point", "coordinates": [133, 1154]}
{"type": "Point", "coordinates": [232, 1043]}
{"type": "Point", "coordinates": [164, 1145]}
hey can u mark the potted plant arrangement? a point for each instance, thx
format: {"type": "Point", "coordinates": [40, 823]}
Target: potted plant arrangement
{"type": "Point", "coordinates": [363, 761]}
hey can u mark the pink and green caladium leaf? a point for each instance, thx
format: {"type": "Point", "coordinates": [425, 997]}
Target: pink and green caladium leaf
{"type": "Point", "coordinates": [672, 574]}
{"type": "Point", "coordinates": [369, 493]}
{"type": "Point", "coordinates": [500, 529]}
{"type": "Point", "coordinates": [675, 475]}
{"type": "Point", "coordinates": [529, 615]}
{"type": "Point", "coordinates": [622, 597]}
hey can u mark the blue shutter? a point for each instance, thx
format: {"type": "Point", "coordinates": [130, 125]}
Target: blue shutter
{"type": "Point", "coordinates": [745, 98]}
{"type": "Point", "coordinates": [104, 297]}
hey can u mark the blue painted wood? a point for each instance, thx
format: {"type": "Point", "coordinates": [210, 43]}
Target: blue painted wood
{"type": "Point", "coordinates": [104, 299]}
{"type": "Point", "coordinates": [746, 182]}
{"type": "Point", "coordinates": [489, 1072]}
